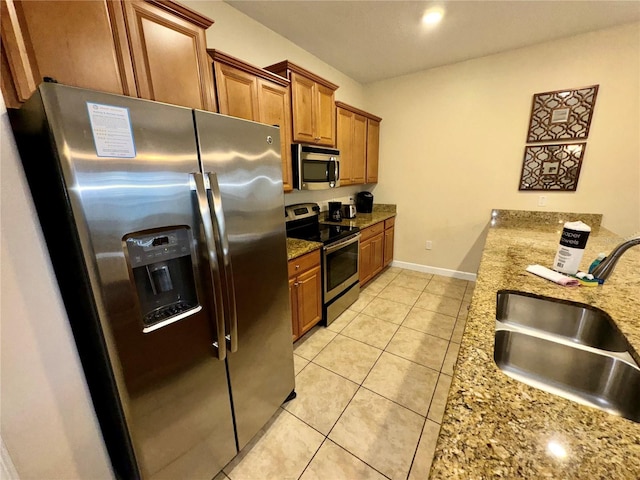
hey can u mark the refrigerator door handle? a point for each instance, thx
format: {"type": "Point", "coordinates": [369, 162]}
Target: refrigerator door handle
{"type": "Point", "coordinates": [223, 241]}
{"type": "Point", "coordinates": [213, 265]}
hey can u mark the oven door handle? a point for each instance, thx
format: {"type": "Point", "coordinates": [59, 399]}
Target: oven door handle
{"type": "Point", "coordinates": [337, 246]}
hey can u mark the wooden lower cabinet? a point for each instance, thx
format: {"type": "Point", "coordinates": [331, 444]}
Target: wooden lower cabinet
{"type": "Point", "coordinates": [376, 249]}
{"type": "Point", "coordinates": [305, 292]}
{"type": "Point", "coordinates": [371, 252]}
{"type": "Point", "coordinates": [389, 231]}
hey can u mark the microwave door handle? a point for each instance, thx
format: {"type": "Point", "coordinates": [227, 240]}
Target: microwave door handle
{"type": "Point", "coordinates": [223, 241]}
{"type": "Point", "coordinates": [212, 262]}
{"type": "Point", "coordinates": [336, 176]}
{"type": "Point", "coordinates": [332, 171]}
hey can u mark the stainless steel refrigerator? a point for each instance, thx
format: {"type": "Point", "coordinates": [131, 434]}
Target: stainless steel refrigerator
{"type": "Point", "coordinates": [166, 231]}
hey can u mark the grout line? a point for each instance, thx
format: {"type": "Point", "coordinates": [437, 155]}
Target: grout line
{"type": "Point", "coordinates": [414, 362]}
{"type": "Point", "coordinates": [399, 404]}
{"type": "Point", "coordinates": [331, 371]}
{"type": "Point", "coordinates": [314, 455]}
{"type": "Point", "coordinates": [339, 374]}
{"type": "Point", "coordinates": [343, 410]}
{"type": "Point", "coordinates": [431, 334]}
{"type": "Point", "coordinates": [319, 351]}
{"type": "Point", "coordinates": [354, 455]}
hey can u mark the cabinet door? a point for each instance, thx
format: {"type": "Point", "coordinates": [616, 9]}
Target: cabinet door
{"type": "Point", "coordinates": [302, 97]}
{"type": "Point", "coordinates": [359, 153]}
{"type": "Point", "coordinates": [365, 266]}
{"type": "Point", "coordinates": [309, 299]}
{"type": "Point", "coordinates": [388, 245]}
{"type": "Point", "coordinates": [83, 44]}
{"type": "Point", "coordinates": [237, 92]}
{"type": "Point", "coordinates": [344, 137]}
{"type": "Point", "coordinates": [377, 253]}
{"type": "Point", "coordinates": [274, 109]}
{"type": "Point", "coordinates": [293, 299]}
{"type": "Point", "coordinates": [325, 116]}
{"type": "Point", "coordinates": [373, 146]}
{"type": "Point", "coordinates": [169, 57]}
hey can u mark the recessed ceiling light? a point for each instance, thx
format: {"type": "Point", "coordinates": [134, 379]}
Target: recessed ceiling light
{"type": "Point", "coordinates": [432, 16]}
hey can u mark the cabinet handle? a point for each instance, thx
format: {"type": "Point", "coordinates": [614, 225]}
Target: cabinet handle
{"type": "Point", "coordinates": [297, 267]}
{"type": "Point", "coordinates": [317, 139]}
{"type": "Point", "coordinates": [295, 284]}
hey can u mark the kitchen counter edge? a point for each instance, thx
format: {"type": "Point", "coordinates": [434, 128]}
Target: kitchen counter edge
{"type": "Point", "coordinates": [296, 247]}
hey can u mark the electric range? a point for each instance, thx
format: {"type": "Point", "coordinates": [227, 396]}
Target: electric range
{"type": "Point", "coordinates": [341, 245]}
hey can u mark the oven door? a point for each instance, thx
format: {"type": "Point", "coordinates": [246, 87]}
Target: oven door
{"type": "Point", "coordinates": [340, 266]}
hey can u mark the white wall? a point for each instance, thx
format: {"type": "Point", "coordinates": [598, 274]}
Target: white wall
{"type": "Point", "coordinates": [452, 142]}
{"type": "Point", "coordinates": [48, 423]}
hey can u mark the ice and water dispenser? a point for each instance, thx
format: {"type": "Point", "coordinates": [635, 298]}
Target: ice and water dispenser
{"type": "Point", "coordinates": [162, 269]}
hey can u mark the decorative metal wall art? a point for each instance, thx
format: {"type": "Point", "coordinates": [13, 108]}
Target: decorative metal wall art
{"type": "Point", "coordinates": [559, 116]}
{"type": "Point", "coordinates": [562, 115]}
{"type": "Point", "coordinates": [552, 167]}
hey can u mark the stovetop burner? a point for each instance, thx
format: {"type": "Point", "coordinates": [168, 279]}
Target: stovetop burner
{"type": "Point", "coordinates": [303, 223]}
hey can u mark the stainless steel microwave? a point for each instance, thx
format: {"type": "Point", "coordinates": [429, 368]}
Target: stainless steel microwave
{"type": "Point", "coordinates": [315, 168]}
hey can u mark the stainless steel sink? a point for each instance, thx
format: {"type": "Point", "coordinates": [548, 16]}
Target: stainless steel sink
{"type": "Point", "coordinates": [575, 322]}
{"type": "Point", "coordinates": [594, 379]}
{"type": "Point", "coordinates": [568, 349]}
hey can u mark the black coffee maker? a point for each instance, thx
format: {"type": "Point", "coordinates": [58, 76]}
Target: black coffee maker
{"type": "Point", "coordinates": [364, 202]}
{"type": "Point", "coordinates": [335, 211]}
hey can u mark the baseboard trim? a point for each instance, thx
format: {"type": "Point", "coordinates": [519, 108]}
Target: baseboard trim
{"type": "Point", "coordinates": [445, 272]}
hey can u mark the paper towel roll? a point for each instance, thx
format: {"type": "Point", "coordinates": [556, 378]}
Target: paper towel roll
{"type": "Point", "coordinates": [572, 243]}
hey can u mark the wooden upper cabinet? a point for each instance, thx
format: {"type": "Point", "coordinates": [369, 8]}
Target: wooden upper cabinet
{"type": "Point", "coordinates": [358, 138]}
{"type": "Point", "coordinates": [237, 92]}
{"type": "Point", "coordinates": [169, 52]}
{"type": "Point", "coordinates": [344, 142]}
{"type": "Point", "coordinates": [325, 116]}
{"type": "Point", "coordinates": [312, 104]}
{"type": "Point", "coordinates": [373, 148]}
{"type": "Point", "coordinates": [359, 149]}
{"type": "Point", "coordinates": [275, 109]}
{"type": "Point", "coordinates": [78, 43]}
{"type": "Point", "coordinates": [149, 49]}
{"type": "Point", "coordinates": [246, 91]}
{"type": "Point", "coordinates": [303, 102]}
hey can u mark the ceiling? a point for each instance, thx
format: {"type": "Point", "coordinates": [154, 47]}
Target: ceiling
{"type": "Point", "coordinates": [375, 40]}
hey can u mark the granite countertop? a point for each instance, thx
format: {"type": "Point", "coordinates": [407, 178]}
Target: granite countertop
{"type": "Point", "coordinates": [296, 247]}
{"type": "Point", "coordinates": [380, 213]}
{"type": "Point", "coordinates": [497, 427]}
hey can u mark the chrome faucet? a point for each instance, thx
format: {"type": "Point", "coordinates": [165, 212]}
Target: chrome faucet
{"type": "Point", "coordinates": [606, 266]}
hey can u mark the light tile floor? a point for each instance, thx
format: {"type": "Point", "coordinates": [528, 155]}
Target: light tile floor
{"type": "Point", "coordinates": [371, 387]}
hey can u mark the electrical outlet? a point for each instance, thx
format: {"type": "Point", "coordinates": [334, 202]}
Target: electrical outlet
{"type": "Point", "coordinates": [428, 245]}
{"type": "Point", "coordinates": [542, 201]}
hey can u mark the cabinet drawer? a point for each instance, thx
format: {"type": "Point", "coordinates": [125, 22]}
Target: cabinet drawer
{"type": "Point", "coordinates": [371, 231]}
{"type": "Point", "coordinates": [389, 222]}
{"type": "Point", "coordinates": [305, 262]}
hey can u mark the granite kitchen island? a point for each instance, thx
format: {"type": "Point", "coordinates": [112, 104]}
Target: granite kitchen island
{"type": "Point", "coordinates": [497, 427]}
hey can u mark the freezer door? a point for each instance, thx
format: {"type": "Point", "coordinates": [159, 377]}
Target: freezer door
{"type": "Point", "coordinates": [127, 167]}
{"type": "Point", "coordinates": [242, 161]}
